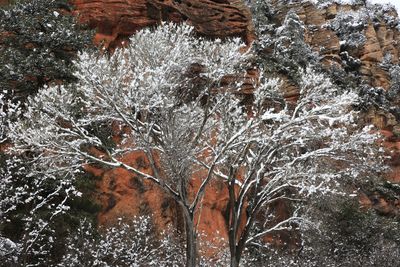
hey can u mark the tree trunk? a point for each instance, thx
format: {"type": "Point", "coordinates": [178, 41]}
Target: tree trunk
{"type": "Point", "coordinates": [191, 246]}
{"type": "Point", "coordinates": [233, 225]}
{"type": "Point", "coordinates": [234, 262]}
{"type": "Point", "coordinates": [236, 257]}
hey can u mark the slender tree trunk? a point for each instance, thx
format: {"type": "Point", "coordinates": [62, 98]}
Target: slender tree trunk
{"type": "Point", "coordinates": [232, 244]}
{"type": "Point", "coordinates": [236, 255]}
{"type": "Point", "coordinates": [234, 262]}
{"type": "Point", "coordinates": [233, 224]}
{"type": "Point", "coordinates": [235, 258]}
{"type": "Point", "coordinates": [191, 244]}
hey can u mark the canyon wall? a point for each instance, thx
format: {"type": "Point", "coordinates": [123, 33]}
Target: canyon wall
{"type": "Point", "coordinates": [116, 20]}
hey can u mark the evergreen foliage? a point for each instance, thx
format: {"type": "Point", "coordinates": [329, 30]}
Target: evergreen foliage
{"type": "Point", "coordinates": [39, 41]}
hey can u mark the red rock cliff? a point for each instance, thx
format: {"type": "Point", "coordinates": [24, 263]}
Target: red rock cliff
{"type": "Point", "coordinates": [116, 20]}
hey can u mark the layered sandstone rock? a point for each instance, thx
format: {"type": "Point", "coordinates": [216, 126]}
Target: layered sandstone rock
{"type": "Point", "coordinates": [116, 20]}
{"type": "Point", "coordinates": [380, 39]}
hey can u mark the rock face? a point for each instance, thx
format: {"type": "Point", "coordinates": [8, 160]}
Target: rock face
{"type": "Point", "coordinates": [122, 194]}
{"type": "Point", "coordinates": [381, 44]}
{"type": "Point", "coordinates": [381, 38]}
{"type": "Point", "coordinates": [116, 20]}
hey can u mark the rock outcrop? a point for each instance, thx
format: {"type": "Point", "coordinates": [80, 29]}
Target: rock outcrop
{"type": "Point", "coordinates": [381, 38]}
{"type": "Point", "coordinates": [124, 195]}
{"type": "Point", "coordinates": [116, 20]}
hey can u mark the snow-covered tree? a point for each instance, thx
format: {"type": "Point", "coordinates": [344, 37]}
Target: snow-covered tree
{"type": "Point", "coordinates": [159, 91]}
{"type": "Point", "coordinates": [32, 208]}
{"type": "Point", "coordinates": [286, 154]}
{"type": "Point", "coordinates": [349, 27]}
{"type": "Point", "coordinates": [290, 46]}
{"type": "Point", "coordinates": [167, 98]}
{"type": "Point", "coordinates": [281, 46]}
{"type": "Point", "coordinates": [30, 205]}
{"type": "Point", "coordinates": [290, 54]}
{"type": "Point", "coordinates": [262, 12]}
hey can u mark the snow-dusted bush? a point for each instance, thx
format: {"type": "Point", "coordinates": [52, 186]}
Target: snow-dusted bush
{"type": "Point", "coordinates": [349, 26]}
{"type": "Point", "coordinates": [348, 235]}
{"type": "Point", "coordinates": [132, 242]}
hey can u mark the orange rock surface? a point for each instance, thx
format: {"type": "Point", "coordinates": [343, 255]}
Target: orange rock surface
{"type": "Point", "coordinates": [380, 39]}
{"type": "Point", "coordinates": [116, 20]}
{"type": "Point", "coordinates": [123, 194]}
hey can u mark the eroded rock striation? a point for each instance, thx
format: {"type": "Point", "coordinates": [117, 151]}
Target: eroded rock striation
{"type": "Point", "coordinates": [116, 20]}
{"type": "Point", "coordinates": [325, 26]}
